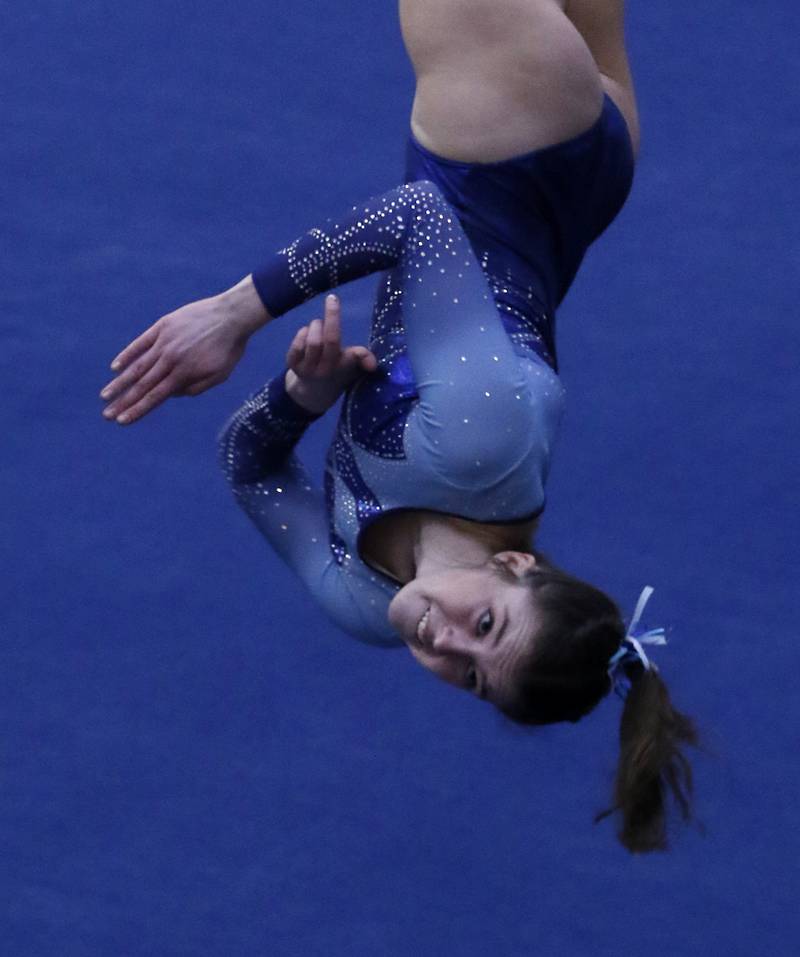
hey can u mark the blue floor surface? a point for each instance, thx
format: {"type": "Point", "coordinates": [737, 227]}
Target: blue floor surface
{"type": "Point", "coordinates": [194, 762]}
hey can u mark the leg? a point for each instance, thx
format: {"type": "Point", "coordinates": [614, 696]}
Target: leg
{"type": "Point", "coordinates": [496, 78]}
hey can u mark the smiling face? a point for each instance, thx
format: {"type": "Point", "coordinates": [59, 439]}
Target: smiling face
{"type": "Point", "coordinates": [469, 625]}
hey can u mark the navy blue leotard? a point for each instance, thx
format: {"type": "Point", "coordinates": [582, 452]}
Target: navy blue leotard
{"type": "Point", "coordinates": [462, 413]}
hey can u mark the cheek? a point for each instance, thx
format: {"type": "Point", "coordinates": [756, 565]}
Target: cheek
{"type": "Point", "coordinates": [401, 605]}
{"type": "Point", "coordinates": [447, 668]}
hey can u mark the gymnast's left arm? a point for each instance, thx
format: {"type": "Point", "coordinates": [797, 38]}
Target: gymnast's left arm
{"type": "Point", "coordinates": [255, 450]}
{"type": "Point", "coordinates": [273, 487]}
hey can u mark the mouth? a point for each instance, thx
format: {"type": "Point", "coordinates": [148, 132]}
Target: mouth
{"type": "Point", "coordinates": [421, 626]}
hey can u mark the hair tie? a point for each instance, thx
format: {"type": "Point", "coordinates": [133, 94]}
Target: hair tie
{"type": "Point", "coordinates": [631, 649]}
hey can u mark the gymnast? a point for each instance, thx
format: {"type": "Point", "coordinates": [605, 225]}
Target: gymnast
{"type": "Point", "coordinates": [521, 151]}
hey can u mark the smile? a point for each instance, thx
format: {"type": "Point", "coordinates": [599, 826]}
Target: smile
{"type": "Point", "coordinates": [421, 627]}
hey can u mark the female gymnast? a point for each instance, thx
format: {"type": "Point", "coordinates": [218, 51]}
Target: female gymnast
{"type": "Point", "coordinates": [521, 152]}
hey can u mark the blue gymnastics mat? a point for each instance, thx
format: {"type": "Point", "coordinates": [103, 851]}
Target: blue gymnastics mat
{"type": "Point", "coordinates": [194, 762]}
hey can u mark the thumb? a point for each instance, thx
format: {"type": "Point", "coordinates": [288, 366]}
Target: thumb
{"type": "Point", "coordinates": [365, 358]}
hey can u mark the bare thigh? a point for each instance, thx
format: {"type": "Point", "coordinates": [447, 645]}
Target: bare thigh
{"type": "Point", "coordinates": [496, 78]}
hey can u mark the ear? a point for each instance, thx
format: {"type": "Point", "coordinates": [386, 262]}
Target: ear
{"type": "Point", "coordinates": [520, 563]}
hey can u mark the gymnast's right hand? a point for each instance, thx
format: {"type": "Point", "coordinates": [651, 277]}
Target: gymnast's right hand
{"type": "Point", "coordinates": [319, 370]}
{"type": "Point", "coordinates": [185, 352]}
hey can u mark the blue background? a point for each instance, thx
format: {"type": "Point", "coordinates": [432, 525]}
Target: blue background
{"type": "Point", "coordinates": [194, 762]}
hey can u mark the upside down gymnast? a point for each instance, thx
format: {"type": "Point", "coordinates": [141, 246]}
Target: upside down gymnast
{"type": "Point", "coordinates": [521, 152]}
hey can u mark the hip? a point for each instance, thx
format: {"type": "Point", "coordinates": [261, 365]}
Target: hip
{"type": "Point", "coordinates": [498, 79]}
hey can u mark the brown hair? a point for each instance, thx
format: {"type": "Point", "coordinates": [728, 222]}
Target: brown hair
{"type": "Point", "coordinates": [564, 675]}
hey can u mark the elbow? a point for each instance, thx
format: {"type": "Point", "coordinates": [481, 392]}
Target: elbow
{"type": "Point", "coordinates": [242, 458]}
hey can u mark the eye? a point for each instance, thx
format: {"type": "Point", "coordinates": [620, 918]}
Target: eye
{"type": "Point", "coordinates": [486, 623]}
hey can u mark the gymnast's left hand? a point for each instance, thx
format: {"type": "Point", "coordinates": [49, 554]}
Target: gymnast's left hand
{"type": "Point", "coordinates": [319, 370]}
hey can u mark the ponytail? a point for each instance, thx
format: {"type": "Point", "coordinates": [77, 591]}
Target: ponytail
{"type": "Point", "coordinates": [651, 763]}
{"type": "Point", "coordinates": [581, 650]}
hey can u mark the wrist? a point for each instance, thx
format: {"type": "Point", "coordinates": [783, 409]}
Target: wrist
{"type": "Point", "coordinates": [245, 307]}
{"type": "Point", "coordinates": [299, 394]}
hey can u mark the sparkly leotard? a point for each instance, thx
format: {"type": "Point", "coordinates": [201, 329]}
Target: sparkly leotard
{"type": "Point", "coordinates": [461, 415]}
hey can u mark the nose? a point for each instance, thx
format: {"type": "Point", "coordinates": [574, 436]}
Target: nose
{"type": "Point", "coordinates": [451, 640]}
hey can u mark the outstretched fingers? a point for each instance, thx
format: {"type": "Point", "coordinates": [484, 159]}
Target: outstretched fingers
{"type": "Point", "coordinates": [136, 348]}
{"type": "Point", "coordinates": [150, 391]}
{"type": "Point", "coordinates": [133, 374]}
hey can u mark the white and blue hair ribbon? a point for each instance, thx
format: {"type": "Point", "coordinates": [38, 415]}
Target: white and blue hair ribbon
{"type": "Point", "coordinates": [631, 648]}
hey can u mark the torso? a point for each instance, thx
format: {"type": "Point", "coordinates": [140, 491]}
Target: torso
{"type": "Point", "coordinates": [497, 79]}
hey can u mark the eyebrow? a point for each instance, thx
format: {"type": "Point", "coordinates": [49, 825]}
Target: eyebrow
{"type": "Point", "coordinates": [500, 632]}
{"type": "Point", "coordinates": [498, 635]}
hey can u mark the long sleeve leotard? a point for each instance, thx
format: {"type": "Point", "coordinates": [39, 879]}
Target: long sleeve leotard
{"type": "Point", "coordinates": [460, 416]}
